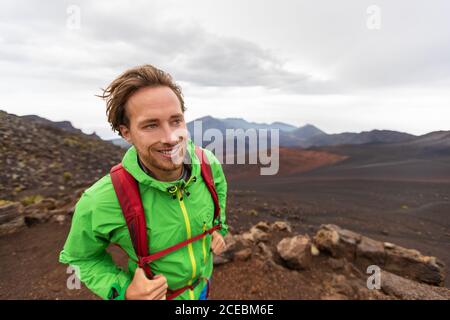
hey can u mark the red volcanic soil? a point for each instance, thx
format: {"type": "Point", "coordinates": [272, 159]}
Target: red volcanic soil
{"type": "Point", "coordinates": [291, 161]}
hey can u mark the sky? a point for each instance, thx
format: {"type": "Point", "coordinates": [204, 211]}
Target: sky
{"type": "Point", "coordinates": [343, 66]}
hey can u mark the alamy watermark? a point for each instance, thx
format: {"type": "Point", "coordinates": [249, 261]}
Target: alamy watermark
{"type": "Point", "coordinates": [73, 281]}
{"type": "Point", "coordinates": [373, 21]}
{"type": "Point", "coordinates": [374, 280]}
{"type": "Point", "coordinates": [73, 21]}
{"type": "Point", "coordinates": [238, 146]}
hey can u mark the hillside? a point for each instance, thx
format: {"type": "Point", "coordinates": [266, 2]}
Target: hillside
{"type": "Point", "coordinates": [38, 159]}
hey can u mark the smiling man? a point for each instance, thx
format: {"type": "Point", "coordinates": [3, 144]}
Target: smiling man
{"type": "Point", "coordinates": [180, 195]}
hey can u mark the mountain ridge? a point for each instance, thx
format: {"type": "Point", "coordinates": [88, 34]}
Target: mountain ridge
{"type": "Point", "coordinates": [305, 136]}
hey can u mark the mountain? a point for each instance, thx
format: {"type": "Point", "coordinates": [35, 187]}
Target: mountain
{"type": "Point", "coordinates": [121, 142]}
{"type": "Point", "coordinates": [63, 125]}
{"type": "Point", "coordinates": [307, 132]}
{"type": "Point", "coordinates": [209, 122]}
{"type": "Point", "coordinates": [40, 159]}
{"type": "Point", "coordinates": [238, 123]}
{"type": "Point", "coordinates": [283, 126]}
{"type": "Point", "coordinates": [374, 136]}
{"type": "Point", "coordinates": [435, 138]}
{"type": "Point", "coordinates": [305, 136]}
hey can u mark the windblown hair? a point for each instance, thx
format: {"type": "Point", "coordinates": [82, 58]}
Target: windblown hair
{"type": "Point", "coordinates": [121, 89]}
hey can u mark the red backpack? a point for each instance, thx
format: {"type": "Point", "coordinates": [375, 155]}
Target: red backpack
{"type": "Point", "coordinates": [127, 191]}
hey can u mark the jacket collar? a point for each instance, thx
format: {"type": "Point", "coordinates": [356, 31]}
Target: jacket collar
{"type": "Point", "coordinates": [130, 163]}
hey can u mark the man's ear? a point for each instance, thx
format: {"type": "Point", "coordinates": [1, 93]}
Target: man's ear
{"type": "Point", "coordinates": [125, 132]}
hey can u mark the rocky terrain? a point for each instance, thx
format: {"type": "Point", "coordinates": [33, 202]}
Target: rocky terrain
{"type": "Point", "coordinates": [268, 261]}
{"type": "Point", "coordinates": [39, 160]}
{"type": "Point", "coordinates": [290, 234]}
{"type": "Point", "coordinates": [332, 264]}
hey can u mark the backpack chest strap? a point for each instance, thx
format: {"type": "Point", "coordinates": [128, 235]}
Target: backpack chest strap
{"type": "Point", "coordinates": [147, 259]}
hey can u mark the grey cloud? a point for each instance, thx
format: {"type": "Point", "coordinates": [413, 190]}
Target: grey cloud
{"type": "Point", "coordinates": [115, 35]}
{"type": "Point", "coordinates": [114, 38]}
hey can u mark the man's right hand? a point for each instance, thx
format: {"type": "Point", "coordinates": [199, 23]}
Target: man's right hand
{"type": "Point", "coordinates": [141, 288]}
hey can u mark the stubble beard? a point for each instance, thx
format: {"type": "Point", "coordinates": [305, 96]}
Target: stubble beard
{"type": "Point", "coordinates": [166, 165]}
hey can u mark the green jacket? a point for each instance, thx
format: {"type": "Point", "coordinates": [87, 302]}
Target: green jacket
{"type": "Point", "coordinates": [98, 221]}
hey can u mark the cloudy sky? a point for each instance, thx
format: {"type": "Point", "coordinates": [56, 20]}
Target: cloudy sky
{"type": "Point", "coordinates": [340, 65]}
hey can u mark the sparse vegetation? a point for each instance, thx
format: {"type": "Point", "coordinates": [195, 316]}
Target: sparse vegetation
{"type": "Point", "coordinates": [4, 202]}
{"type": "Point", "coordinates": [67, 176]}
{"type": "Point", "coordinates": [32, 199]}
{"type": "Point", "coordinates": [19, 188]}
{"type": "Point", "coordinates": [69, 141]}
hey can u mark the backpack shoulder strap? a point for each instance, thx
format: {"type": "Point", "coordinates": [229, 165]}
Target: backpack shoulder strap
{"type": "Point", "coordinates": [127, 191]}
{"type": "Point", "coordinates": [209, 179]}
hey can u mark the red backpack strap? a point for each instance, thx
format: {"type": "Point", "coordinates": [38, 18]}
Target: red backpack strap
{"type": "Point", "coordinates": [209, 179]}
{"type": "Point", "coordinates": [127, 191]}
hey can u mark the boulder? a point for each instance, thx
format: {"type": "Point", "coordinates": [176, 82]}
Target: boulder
{"type": "Point", "coordinates": [363, 251]}
{"type": "Point", "coordinates": [413, 265]}
{"type": "Point", "coordinates": [10, 211]}
{"type": "Point", "coordinates": [254, 235]}
{"type": "Point", "coordinates": [296, 252]}
{"type": "Point", "coordinates": [218, 260]}
{"type": "Point", "coordinates": [338, 242]}
{"type": "Point", "coordinates": [60, 218]}
{"type": "Point", "coordinates": [265, 252]}
{"type": "Point", "coordinates": [36, 217]}
{"type": "Point", "coordinates": [327, 238]}
{"type": "Point", "coordinates": [281, 226]}
{"type": "Point", "coordinates": [405, 289]}
{"type": "Point", "coordinates": [243, 255]}
{"type": "Point", "coordinates": [369, 252]}
{"type": "Point", "coordinates": [11, 218]}
{"type": "Point", "coordinates": [230, 242]}
{"type": "Point", "coordinates": [263, 226]}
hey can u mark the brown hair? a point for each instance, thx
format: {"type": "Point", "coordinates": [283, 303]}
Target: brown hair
{"type": "Point", "coordinates": [120, 90]}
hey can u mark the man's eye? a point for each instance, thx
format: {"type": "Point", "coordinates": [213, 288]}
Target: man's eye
{"type": "Point", "coordinates": [177, 122]}
{"type": "Point", "coordinates": [151, 126]}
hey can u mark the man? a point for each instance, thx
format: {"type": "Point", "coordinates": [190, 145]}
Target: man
{"type": "Point", "coordinates": [146, 108]}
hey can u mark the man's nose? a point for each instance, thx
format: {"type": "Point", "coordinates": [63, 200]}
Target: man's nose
{"type": "Point", "coordinates": [169, 135]}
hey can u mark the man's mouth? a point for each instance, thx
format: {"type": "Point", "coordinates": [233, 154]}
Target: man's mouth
{"type": "Point", "coordinates": [169, 152]}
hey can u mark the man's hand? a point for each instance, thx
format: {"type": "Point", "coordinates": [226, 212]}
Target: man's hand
{"type": "Point", "coordinates": [218, 243]}
{"type": "Point", "coordinates": [141, 288]}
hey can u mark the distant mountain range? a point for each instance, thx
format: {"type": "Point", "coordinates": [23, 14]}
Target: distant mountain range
{"type": "Point", "coordinates": [308, 135]}
{"type": "Point", "coordinates": [305, 136]}
{"type": "Point", "coordinates": [33, 142]}
{"type": "Point", "coordinates": [290, 136]}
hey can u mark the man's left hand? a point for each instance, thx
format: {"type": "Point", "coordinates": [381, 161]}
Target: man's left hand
{"type": "Point", "coordinates": [218, 244]}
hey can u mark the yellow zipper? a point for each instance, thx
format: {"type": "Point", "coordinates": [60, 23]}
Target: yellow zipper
{"type": "Point", "coordinates": [204, 244]}
{"type": "Point", "coordinates": [189, 235]}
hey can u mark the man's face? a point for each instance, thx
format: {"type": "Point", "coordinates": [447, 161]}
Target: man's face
{"type": "Point", "coordinates": [156, 128]}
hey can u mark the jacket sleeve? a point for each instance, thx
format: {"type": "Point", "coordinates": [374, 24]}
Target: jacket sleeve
{"type": "Point", "coordinates": [85, 251]}
{"type": "Point", "coordinates": [221, 188]}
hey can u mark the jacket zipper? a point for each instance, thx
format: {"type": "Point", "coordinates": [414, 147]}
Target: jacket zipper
{"type": "Point", "coordinates": [204, 243]}
{"type": "Point", "coordinates": [189, 235]}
